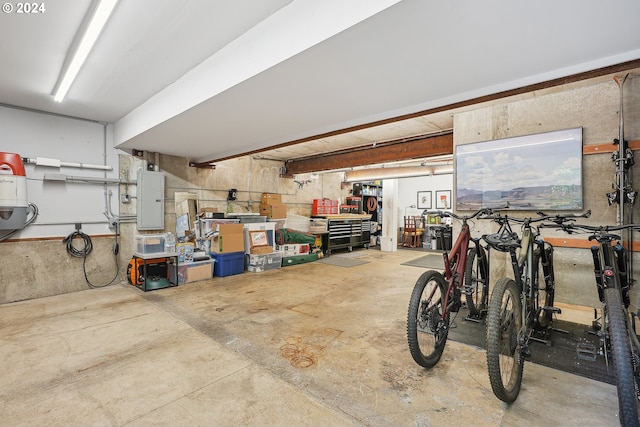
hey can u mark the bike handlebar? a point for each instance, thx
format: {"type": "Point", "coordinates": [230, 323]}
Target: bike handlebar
{"type": "Point", "coordinates": [573, 227]}
{"type": "Point", "coordinates": [527, 221]}
{"type": "Point", "coordinates": [443, 214]}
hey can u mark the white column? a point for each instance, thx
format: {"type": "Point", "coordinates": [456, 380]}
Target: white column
{"type": "Point", "coordinates": [389, 238]}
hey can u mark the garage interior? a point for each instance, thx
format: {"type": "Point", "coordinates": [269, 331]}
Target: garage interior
{"type": "Point", "coordinates": [304, 100]}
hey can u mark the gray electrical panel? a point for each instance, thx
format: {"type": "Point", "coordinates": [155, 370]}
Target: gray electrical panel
{"type": "Point", "coordinates": [150, 204]}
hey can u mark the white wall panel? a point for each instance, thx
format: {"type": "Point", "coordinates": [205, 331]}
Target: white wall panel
{"type": "Point", "coordinates": [61, 204]}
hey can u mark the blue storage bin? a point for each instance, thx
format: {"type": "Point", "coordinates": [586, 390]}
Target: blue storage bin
{"type": "Point", "coordinates": [227, 264]}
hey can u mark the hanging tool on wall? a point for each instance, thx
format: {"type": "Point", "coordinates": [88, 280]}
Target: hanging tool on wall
{"type": "Point", "coordinates": [623, 193]}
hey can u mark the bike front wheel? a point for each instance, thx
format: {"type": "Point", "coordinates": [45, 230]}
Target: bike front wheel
{"type": "Point", "coordinates": [621, 355]}
{"type": "Point", "coordinates": [476, 283]}
{"type": "Point", "coordinates": [504, 358]}
{"type": "Point", "coordinates": [428, 319]}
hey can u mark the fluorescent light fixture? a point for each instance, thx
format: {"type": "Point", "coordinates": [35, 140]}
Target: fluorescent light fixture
{"type": "Point", "coordinates": [97, 21]}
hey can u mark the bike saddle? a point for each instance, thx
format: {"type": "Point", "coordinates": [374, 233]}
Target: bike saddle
{"type": "Point", "coordinates": [503, 242]}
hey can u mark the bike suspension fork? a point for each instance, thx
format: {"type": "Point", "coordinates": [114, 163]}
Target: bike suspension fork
{"type": "Point", "coordinates": [546, 256]}
{"type": "Point", "coordinates": [621, 259]}
{"type": "Point", "coordinates": [597, 271]}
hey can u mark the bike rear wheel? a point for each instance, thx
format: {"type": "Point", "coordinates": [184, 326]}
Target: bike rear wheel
{"type": "Point", "coordinates": [504, 357]}
{"type": "Point", "coordinates": [621, 355]}
{"type": "Point", "coordinates": [427, 321]}
{"type": "Point", "coordinates": [476, 283]}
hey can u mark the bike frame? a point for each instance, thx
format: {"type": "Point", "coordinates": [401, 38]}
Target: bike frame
{"type": "Point", "coordinates": [525, 266]}
{"type": "Point", "coordinates": [454, 277]}
{"type": "Point", "coordinates": [525, 278]}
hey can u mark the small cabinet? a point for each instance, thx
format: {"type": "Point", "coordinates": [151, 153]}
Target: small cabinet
{"type": "Point", "coordinates": [150, 208]}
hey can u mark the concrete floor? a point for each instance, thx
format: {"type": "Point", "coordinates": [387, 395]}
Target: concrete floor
{"type": "Point", "coordinates": [306, 345]}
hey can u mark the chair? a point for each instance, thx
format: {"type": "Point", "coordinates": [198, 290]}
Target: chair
{"type": "Point", "coordinates": [412, 232]}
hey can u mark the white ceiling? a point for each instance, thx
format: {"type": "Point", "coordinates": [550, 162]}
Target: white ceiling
{"type": "Point", "coordinates": [207, 79]}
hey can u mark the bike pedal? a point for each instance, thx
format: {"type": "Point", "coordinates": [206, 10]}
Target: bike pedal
{"type": "Point", "coordinates": [552, 309]}
{"type": "Point", "coordinates": [525, 352]}
{"type": "Point", "coordinates": [586, 351]}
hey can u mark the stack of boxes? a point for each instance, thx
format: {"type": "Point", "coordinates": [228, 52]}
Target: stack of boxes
{"type": "Point", "coordinates": [324, 207]}
{"type": "Point", "coordinates": [227, 249]}
{"type": "Point", "coordinates": [271, 206]}
{"type": "Point", "coordinates": [261, 256]}
{"type": "Point", "coordinates": [235, 247]}
{"type": "Point", "coordinates": [260, 253]}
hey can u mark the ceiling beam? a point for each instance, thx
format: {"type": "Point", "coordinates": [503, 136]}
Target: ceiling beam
{"type": "Point", "coordinates": [375, 153]}
{"type": "Point", "coordinates": [617, 68]}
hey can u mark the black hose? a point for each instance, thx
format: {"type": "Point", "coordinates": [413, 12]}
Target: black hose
{"type": "Point", "coordinates": [75, 252]}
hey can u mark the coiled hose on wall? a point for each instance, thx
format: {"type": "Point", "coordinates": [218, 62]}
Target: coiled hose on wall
{"type": "Point", "coordinates": [85, 250]}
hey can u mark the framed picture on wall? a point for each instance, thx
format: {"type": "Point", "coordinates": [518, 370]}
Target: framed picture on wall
{"type": "Point", "coordinates": [424, 200]}
{"type": "Point", "coordinates": [531, 172]}
{"type": "Point", "coordinates": [443, 199]}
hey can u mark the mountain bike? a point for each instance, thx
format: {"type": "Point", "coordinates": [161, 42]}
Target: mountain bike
{"type": "Point", "coordinates": [616, 325]}
{"type": "Point", "coordinates": [520, 309]}
{"type": "Point", "coordinates": [436, 295]}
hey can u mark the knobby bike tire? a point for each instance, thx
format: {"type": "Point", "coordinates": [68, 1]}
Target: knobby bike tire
{"type": "Point", "coordinates": [504, 358]}
{"type": "Point", "coordinates": [476, 283]}
{"type": "Point", "coordinates": [621, 355]}
{"type": "Point", "coordinates": [427, 329]}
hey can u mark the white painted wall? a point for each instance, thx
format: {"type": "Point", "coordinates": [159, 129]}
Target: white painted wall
{"type": "Point", "coordinates": [60, 204]}
{"type": "Point", "coordinates": [389, 237]}
{"type": "Point", "coordinates": [408, 192]}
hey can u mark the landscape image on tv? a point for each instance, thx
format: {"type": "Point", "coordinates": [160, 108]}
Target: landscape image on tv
{"type": "Point", "coordinates": [533, 172]}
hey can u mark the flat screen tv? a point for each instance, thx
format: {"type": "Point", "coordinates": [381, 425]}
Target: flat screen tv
{"type": "Point", "coordinates": [532, 172]}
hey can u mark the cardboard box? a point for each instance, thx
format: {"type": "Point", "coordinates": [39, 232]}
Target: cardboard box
{"type": "Point", "coordinates": [257, 250]}
{"type": "Point", "coordinates": [193, 272]}
{"type": "Point", "coordinates": [273, 210]}
{"type": "Point", "coordinates": [259, 242]}
{"type": "Point", "coordinates": [229, 238]}
{"type": "Point", "coordinates": [271, 199]}
{"type": "Point", "coordinates": [318, 225]}
{"type": "Point", "coordinates": [293, 249]}
{"type": "Point", "coordinates": [268, 227]}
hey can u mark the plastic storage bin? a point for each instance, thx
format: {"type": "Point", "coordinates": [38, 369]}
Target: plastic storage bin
{"type": "Point", "coordinates": [265, 262]}
{"type": "Point", "coordinates": [193, 272]}
{"type": "Point", "coordinates": [150, 243]}
{"type": "Point", "coordinates": [227, 264]}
